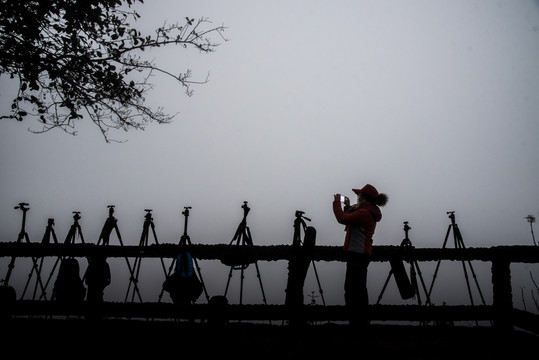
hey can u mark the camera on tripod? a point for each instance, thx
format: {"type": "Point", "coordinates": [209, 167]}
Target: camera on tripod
{"type": "Point", "coordinates": [406, 226]}
{"type": "Point", "coordinates": [245, 208]}
{"type": "Point", "coordinates": [186, 211]}
{"type": "Point", "coordinates": [23, 206]}
{"type": "Point", "coordinates": [299, 215]}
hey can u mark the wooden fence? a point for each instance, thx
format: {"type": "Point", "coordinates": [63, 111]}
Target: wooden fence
{"type": "Point", "coordinates": [501, 312]}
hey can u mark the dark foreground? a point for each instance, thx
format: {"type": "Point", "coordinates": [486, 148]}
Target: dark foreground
{"type": "Point", "coordinates": [80, 338]}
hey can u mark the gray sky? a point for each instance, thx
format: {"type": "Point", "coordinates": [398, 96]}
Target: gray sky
{"type": "Point", "coordinates": [436, 103]}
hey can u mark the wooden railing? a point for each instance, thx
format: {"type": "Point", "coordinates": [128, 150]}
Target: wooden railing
{"type": "Point", "coordinates": [501, 312]}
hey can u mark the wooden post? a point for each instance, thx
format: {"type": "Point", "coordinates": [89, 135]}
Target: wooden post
{"type": "Point", "coordinates": [502, 293]}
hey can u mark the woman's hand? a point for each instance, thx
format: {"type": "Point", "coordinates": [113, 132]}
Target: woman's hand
{"type": "Point", "coordinates": [337, 197]}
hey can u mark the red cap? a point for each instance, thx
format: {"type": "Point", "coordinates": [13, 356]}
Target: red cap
{"type": "Point", "coordinates": [368, 190]}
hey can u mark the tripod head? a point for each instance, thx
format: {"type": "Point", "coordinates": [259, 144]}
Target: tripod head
{"type": "Point", "coordinates": [243, 231]}
{"type": "Point", "coordinates": [406, 241]}
{"type": "Point", "coordinates": [23, 206]}
{"type": "Point", "coordinates": [148, 215]}
{"type": "Point", "coordinates": [185, 213]}
{"type": "Point", "coordinates": [406, 245]}
{"type": "Point", "coordinates": [70, 238]}
{"type": "Point", "coordinates": [48, 231]}
{"type": "Point", "coordinates": [406, 228]}
{"type": "Point", "coordinates": [299, 223]}
{"type": "Point", "coordinates": [299, 214]}
{"type": "Point", "coordinates": [76, 216]}
{"type": "Point", "coordinates": [246, 209]}
{"type": "Point", "coordinates": [111, 210]}
{"type": "Point", "coordinates": [300, 220]}
{"type": "Point", "coordinates": [451, 216]}
{"type": "Point", "coordinates": [110, 224]}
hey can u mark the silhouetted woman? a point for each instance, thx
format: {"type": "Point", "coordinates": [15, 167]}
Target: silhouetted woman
{"type": "Point", "coordinates": [360, 220]}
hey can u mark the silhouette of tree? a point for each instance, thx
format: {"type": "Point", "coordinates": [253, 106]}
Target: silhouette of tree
{"type": "Point", "coordinates": [73, 58]}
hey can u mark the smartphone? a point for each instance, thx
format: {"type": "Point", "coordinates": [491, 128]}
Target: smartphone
{"type": "Point", "coordinates": [343, 198]}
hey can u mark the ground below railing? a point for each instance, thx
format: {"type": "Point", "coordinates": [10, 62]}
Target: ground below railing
{"type": "Point", "coordinates": [308, 313]}
{"type": "Point", "coordinates": [68, 338]}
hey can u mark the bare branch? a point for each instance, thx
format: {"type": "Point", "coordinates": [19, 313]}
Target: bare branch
{"type": "Point", "coordinates": [74, 62]}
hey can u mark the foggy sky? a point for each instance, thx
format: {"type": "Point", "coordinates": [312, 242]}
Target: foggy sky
{"type": "Point", "coordinates": [435, 103]}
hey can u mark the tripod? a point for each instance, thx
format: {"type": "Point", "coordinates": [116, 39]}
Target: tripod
{"type": "Point", "coordinates": [49, 231]}
{"type": "Point", "coordinates": [148, 223]}
{"type": "Point", "coordinates": [309, 242]}
{"type": "Point", "coordinates": [242, 237]}
{"type": "Point", "coordinates": [406, 247]}
{"type": "Point", "coordinates": [70, 239]}
{"type": "Point", "coordinates": [24, 235]}
{"type": "Point", "coordinates": [112, 224]}
{"type": "Point", "coordinates": [185, 241]}
{"type": "Point", "coordinates": [459, 244]}
{"type": "Point", "coordinates": [74, 229]}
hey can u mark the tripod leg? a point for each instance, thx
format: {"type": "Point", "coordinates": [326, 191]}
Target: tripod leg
{"type": "Point", "coordinates": [228, 281]}
{"type": "Point", "coordinates": [134, 280]}
{"type": "Point", "coordinates": [70, 238]}
{"type": "Point", "coordinates": [50, 277]}
{"type": "Point", "coordinates": [461, 243]}
{"type": "Point", "coordinates": [318, 281]}
{"type": "Point", "coordinates": [249, 238]}
{"type": "Point", "coordinates": [28, 280]}
{"type": "Point", "coordinates": [438, 263]}
{"type": "Point", "coordinates": [105, 232]}
{"type": "Point", "coordinates": [384, 287]}
{"type": "Point", "coordinates": [467, 282]}
{"type": "Point", "coordinates": [201, 280]}
{"type": "Point", "coordinates": [39, 272]}
{"type": "Point", "coordinates": [166, 277]}
{"type": "Point", "coordinates": [434, 277]}
{"type": "Point", "coordinates": [427, 300]}
{"type": "Point", "coordinates": [11, 264]}
{"type": "Point", "coordinates": [35, 268]}
{"type": "Point", "coordinates": [260, 282]}
{"type": "Point", "coordinates": [10, 267]}
{"type": "Point", "coordinates": [413, 281]}
{"type": "Point", "coordinates": [136, 265]}
{"type": "Point", "coordinates": [242, 276]}
{"type": "Point", "coordinates": [155, 238]}
{"type": "Point", "coordinates": [54, 236]}
{"type": "Point", "coordinates": [476, 282]}
{"type": "Point", "coordinates": [131, 270]}
{"type": "Point", "coordinates": [80, 233]}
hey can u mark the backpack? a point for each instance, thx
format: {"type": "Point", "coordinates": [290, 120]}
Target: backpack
{"type": "Point", "coordinates": [183, 285]}
{"type": "Point", "coordinates": [68, 286]}
{"type": "Point", "coordinates": [406, 288]}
